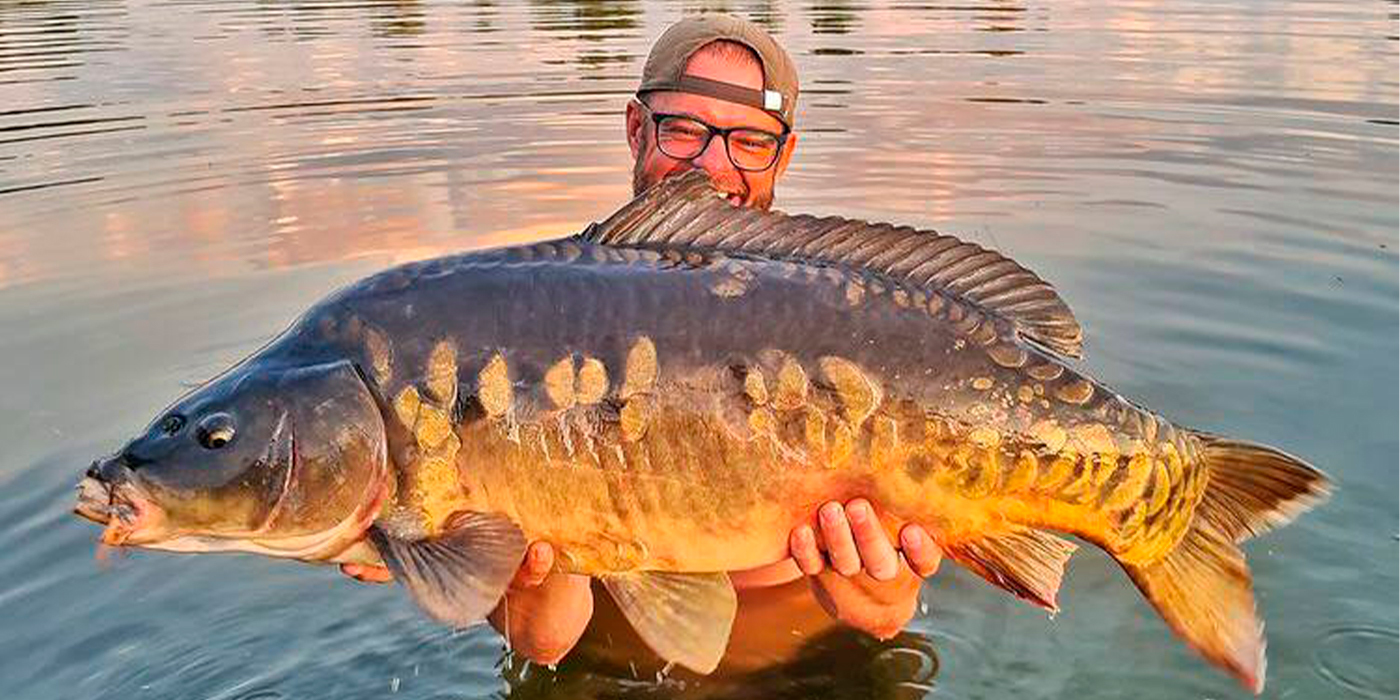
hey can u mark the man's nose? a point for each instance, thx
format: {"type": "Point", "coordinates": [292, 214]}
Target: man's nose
{"type": "Point", "coordinates": [714, 159]}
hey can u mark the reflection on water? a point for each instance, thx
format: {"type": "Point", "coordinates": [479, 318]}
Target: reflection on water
{"type": "Point", "coordinates": [782, 646]}
{"type": "Point", "coordinates": [597, 24]}
{"type": "Point", "coordinates": [1212, 185]}
{"type": "Point", "coordinates": [835, 17]}
{"type": "Point", "coordinates": [841, 664]}
{"type": "Point", "coordinates": [595, 21]}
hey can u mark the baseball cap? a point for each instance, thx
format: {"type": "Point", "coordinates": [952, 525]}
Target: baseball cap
{"type": "Point", "coordinates": [665, 66]}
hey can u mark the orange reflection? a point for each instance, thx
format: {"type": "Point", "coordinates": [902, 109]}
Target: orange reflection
{"type": "Point", "coordinates": [287, 135]}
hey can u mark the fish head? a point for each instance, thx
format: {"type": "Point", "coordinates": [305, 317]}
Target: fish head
{"type": "Point", "coordinates": [287, 461]}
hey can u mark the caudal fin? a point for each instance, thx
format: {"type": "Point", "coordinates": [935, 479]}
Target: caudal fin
{"type": "Point", "coordinates": [1203, 588]}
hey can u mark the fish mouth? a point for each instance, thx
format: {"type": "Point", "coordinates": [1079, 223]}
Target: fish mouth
{"type": "Point", "coordinates": [130, 517]}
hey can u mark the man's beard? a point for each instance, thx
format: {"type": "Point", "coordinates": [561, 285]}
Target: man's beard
{"type": "Point", "coordinates": [639, 177]}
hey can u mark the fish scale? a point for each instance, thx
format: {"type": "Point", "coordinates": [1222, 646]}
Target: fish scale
{"type": "Point", "coordinates": [973, 476]}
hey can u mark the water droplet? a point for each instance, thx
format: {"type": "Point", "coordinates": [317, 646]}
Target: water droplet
{"type": "Point", "coordinates": [665, 671]}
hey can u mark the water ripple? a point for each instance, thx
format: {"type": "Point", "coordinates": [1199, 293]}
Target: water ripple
{"type": "Point", "coordinates": [1348, 657]}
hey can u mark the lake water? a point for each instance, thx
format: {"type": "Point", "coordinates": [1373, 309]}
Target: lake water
{"type": "Point", "coordinates": [1212, 185]}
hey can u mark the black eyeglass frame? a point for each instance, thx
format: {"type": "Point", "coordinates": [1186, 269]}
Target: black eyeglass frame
{"type": "Point", "coordinates": [711, 131]}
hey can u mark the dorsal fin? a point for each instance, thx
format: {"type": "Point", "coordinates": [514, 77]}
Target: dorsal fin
{"type": "Point", "coordinates": [686, 211]}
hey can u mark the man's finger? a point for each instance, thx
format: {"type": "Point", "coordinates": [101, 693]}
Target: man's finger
{"type": "Point", "coordinates": [877, 555]}
{"type": "Point", "coordinates": [840, 544]}
{"type": "Point", "coordinates": [802, 544]}
{"type": "Point", "coordinates": [539, 561]}
{"type": "Point", "coordinates": [922, 553]}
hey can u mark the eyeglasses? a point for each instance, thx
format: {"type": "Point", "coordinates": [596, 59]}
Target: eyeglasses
{"type": "Point", "coordinates": [683, 138]}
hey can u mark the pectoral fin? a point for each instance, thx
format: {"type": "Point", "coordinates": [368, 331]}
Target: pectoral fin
{"type": "Point", "coordinates": [1026, 562]}
{"type": "Point", "coordinates": [460, 575]}
{"type": "Point", "coordinates": [684, 618]}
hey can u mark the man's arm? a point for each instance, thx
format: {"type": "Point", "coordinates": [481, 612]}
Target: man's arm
{"type": "Point", "coordinates": [866, 585]}
{"type": "Point", "coordinates": [544, 613]}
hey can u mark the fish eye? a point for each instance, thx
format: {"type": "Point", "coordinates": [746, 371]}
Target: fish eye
{"type": "Point", "coordinates": [172, 424]}
{"type": "Point", "coordinates": [215, 431]}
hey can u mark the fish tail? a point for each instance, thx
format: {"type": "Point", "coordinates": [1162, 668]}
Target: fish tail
{"type": "Point", "coordinates": [1203, 588]}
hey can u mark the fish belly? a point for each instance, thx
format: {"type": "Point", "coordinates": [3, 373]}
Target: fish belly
{"type": "Point", "coordinates": [686, 491]}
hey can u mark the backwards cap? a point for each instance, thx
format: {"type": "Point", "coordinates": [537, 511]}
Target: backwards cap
{"type": "Point", "coordinates": [665, 67]}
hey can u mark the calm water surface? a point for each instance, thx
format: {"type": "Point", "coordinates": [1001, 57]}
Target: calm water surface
{"type": "Point", "coordinates": [1211, 184]}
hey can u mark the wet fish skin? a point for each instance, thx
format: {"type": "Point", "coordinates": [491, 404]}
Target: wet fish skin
{"type": "Point", "coordinates": [526, 440]}
{"type": "Point", "coordinates": [674, 400]}
{"type": "Point", "coordinates": [956, 433]}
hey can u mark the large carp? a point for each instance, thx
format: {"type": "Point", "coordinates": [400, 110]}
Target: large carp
{"type": "Point", "coordinates": [665, 396]}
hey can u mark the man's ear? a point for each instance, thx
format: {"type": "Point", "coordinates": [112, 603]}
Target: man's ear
{"type": "Point", "coordinates": [788, 147]}
{"type": "Point", "coordinates": [635, 123]}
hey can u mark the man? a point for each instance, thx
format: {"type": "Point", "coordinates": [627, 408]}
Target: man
{"type": "Point", "coordinates": [719, 94]}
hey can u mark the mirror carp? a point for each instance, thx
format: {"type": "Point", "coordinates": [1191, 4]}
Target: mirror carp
{"type": "Point", "coordinates": [666, 395]}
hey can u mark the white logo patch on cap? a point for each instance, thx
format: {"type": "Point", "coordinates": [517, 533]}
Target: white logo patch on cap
{"type": "Point", "coordinates": [773, 100]}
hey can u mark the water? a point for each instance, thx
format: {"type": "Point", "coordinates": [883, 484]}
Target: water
{"type": "Point", "coordinates": [1211, 184]}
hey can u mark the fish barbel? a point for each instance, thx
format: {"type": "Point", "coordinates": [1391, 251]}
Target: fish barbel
{"type": "Point", "coordinates": [665, 396]}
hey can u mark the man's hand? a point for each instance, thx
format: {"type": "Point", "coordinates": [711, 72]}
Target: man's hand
{"type": "Point", "coordinates": [866, 585]}
{"type": "Point", "coordinates": [544, 612]}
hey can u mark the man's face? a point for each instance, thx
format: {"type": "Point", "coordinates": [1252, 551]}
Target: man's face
{"type": "Point", "coordinates": [650, 166]}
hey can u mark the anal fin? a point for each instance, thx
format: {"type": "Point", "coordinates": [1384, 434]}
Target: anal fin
{"type": "Point", "coordinates": [459, 576]}
{"type": "Point", "coordinates": [1027, 563]}
{"type": "Point", "coordinates": [685, 618]}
